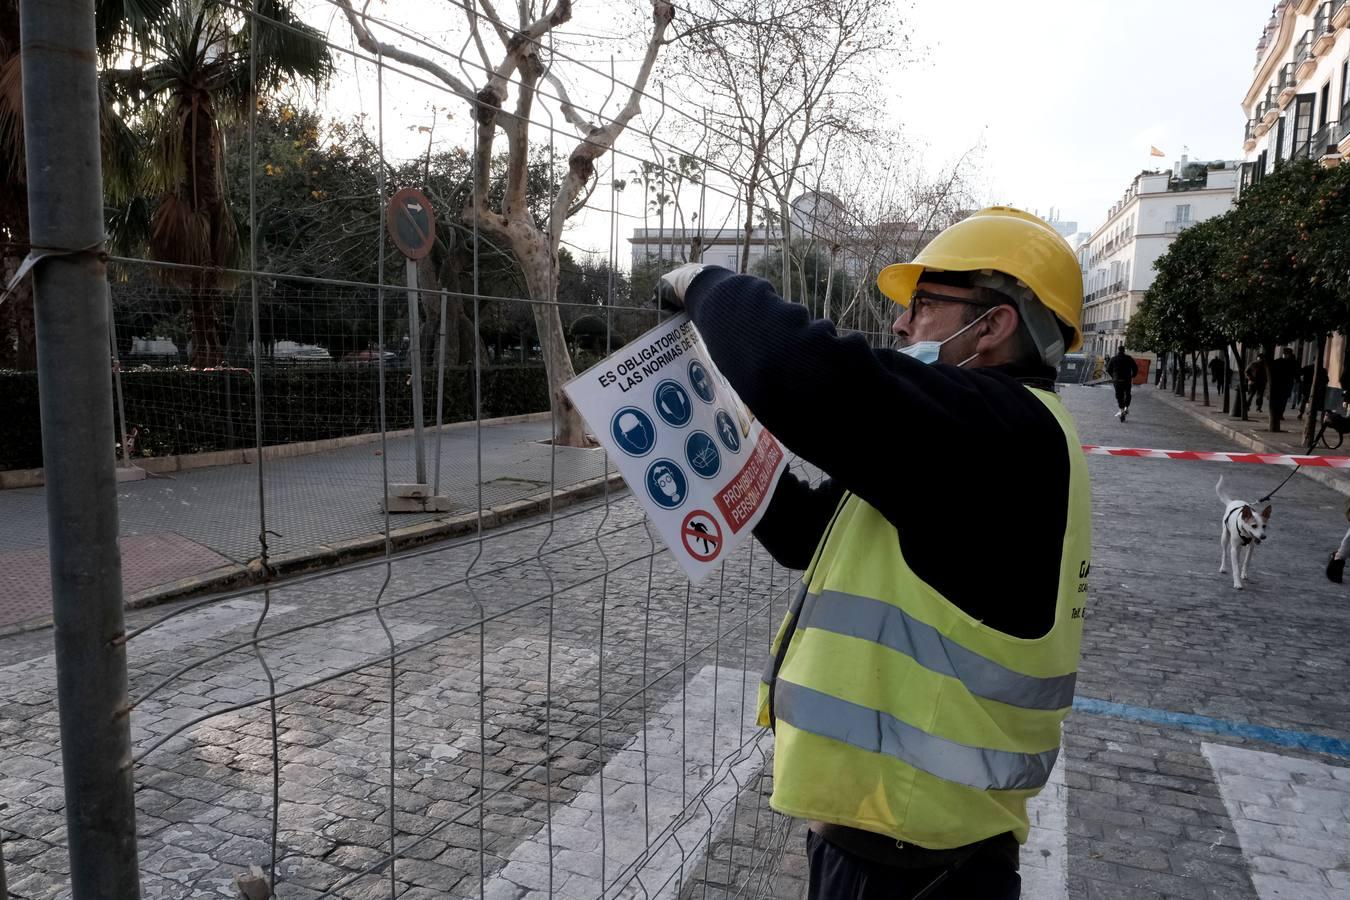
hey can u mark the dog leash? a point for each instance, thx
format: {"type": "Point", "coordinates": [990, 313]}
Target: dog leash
{"type": "Point", "coordinates": [1309, 451]}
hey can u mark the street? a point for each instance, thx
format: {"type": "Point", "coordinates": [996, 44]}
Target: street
{"type": "Point", "coordinates": [1208, 757]}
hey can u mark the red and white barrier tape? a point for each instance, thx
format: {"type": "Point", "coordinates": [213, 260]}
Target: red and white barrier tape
{"type": "Point", "coordinates": [1268, 459]}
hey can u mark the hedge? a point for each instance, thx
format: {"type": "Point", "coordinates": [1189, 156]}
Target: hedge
{"type": "Point", "coordinates": [180, 411]}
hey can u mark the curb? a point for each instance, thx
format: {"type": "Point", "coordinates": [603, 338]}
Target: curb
{"type": "Point", "coordinates": [324, 556]}
{"type": "Point", "coordinates": [1338, 483]}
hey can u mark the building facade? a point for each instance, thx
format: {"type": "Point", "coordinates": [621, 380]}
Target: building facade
{"type": "Point", "coordinates": [1298, 105]}
{"type": "Point", "coordinates": [1117, 260]}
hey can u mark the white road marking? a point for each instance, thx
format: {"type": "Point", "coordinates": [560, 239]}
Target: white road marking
{"type": "Point", "coordinates": [1292, 818]}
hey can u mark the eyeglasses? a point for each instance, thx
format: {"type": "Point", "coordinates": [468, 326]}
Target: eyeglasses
{"type": "Point", "coordinates": [919, 299]}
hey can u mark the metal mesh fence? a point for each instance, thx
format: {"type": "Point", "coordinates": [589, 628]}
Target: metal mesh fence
{"type": "Point", "coordinates": [544, 707]}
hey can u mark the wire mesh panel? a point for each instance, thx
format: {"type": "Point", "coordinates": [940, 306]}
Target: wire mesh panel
{"type": "Point", "coordinates": [544, 705]}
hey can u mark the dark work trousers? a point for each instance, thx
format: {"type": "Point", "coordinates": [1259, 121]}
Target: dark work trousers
{"type": "Point", "coordinates": [837, 874]}
{"type": "Point", "coordinates": [1123, 389]}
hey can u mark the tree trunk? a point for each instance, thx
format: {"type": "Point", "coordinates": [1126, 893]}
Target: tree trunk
{"type": "Point", "coordinates": [18, 332]}
{"type": "Point", "coordinates": [541, 277]}
{"type": "Point", "coordinates": [1240, 376]}
{"type": "Point", "coordinates": [1161, 380]}
{"type": "Point", "coordinates": [1179, 374]}
{"type": "Point", "coordinates": [1319, 391]}
{"type": "Point", "coordinates": [206, 350]}
{"type": "Point", "coordinates": [1204, 373]}
{"type": "Point", "coordinates": [1227, 385]}
{"type": "Point", "coordinates": [1194, 376]}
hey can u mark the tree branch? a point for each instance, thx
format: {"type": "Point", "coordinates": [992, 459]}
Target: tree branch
{"type": "Point", "coordinates": [570, 112]}
{"type": "Point", "coordinates": [368, 43]}
{"type": "Point", "coordinates": [581, 164]}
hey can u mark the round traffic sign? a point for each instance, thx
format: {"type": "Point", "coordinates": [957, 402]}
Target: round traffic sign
{"type": "Point", "coordinates": [701, 536]}
{"type": "Point", "coordinates": [410, 223]}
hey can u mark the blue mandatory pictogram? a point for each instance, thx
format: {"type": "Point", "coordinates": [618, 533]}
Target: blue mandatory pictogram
{"type": "Point", "coordinates": [666, 484]}
{"type": "Point", "coordinates": [726, 430]}
{"type": "Point", "coordinates": [703, 385]}
{"type": "Point", "coordinates": [633, 431]}
{"type": "Point", "coordinates": [701, 451]}
{"type": "Point", "coordinates": [672, 403]}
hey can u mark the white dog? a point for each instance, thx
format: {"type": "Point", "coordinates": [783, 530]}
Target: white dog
{"type": "Point", "coordinates": [1243, 529]}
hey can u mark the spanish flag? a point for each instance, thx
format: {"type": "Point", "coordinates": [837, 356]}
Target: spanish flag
{"type": "Point", "coordinates": [1154, 151]}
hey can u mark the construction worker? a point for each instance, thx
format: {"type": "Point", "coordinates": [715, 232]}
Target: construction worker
{"type": "Point", "coordinates": [919, 680]}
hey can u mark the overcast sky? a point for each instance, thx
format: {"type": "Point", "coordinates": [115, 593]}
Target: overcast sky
{"type": "Point", "coordinates": [1065, 97]}
{"type": "Point", "coordinates": [1068, 95]}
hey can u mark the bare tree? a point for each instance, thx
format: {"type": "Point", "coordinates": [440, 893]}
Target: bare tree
{"type": "Point", "coordinates": [783, 76]}
{"type": "Point", "coordinates": [523, 63]}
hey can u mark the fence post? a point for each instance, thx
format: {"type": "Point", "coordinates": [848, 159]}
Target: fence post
{"type": "Point", "coordinates": [65, 204]}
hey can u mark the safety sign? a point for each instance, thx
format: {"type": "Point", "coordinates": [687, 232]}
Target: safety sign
{"type": "Point", "coordinates": [696, 459]}
{"type": "Point", "coordinates": [701, 536]}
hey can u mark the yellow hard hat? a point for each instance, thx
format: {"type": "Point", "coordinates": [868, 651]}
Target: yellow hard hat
{"type": "Point", "coordinates": [1007, 240]}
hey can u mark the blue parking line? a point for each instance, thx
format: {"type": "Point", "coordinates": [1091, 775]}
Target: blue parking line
{"type": "Point", "coordinates": [1300, 740]}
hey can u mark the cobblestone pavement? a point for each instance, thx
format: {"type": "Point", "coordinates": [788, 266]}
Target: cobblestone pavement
{"type": "Point", "coordinates": [1208, 758]}
{"type": "Point", "coordinates": [189, 523]}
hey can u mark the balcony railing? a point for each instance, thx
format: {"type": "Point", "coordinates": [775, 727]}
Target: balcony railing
{"type": "Point", "coordinates": [1300, 150]}
{"type": "Point", "coordinates": [1250, 133]}
{"type": "Point", "coordinates": [1177, 226]}
{"type": "Point", "coordinates": [1303, 49]}
{"type": "Point", "coordinates": [1322, 29]}
{"type": "Point", "coordinates": [1287, 81]}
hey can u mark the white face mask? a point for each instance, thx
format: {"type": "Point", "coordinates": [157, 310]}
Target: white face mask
{"type": "Point", "coordinates": [927, 352]}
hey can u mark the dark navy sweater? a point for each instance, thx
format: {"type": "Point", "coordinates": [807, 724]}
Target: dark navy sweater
{"type": "Point", "coordinates": [967, 464]}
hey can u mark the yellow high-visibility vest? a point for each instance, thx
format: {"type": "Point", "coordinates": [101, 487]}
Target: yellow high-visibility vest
{"type": "Point", "coordinates": [895, 711]}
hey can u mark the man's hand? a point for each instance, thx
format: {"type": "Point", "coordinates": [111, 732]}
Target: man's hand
{"type": "Point", "coordinates": [672, 285]}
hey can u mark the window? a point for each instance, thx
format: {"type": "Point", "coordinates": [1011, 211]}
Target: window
{"type": "Point", "coordinates": [1325, 102]}
{"type": "Point", "coordinates": [1345, 84]}
{"type": "Point", "coordinates": [1183, 212]}
{"type": "Point", "coordinates": [1303, 124]}
{"type": "Point", "coordinates": [1279, 141]}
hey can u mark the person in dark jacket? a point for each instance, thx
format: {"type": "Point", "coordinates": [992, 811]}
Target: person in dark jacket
{"type": "Point", "coordinates": [1216, 372]}
{"type": "Point", "coordinates": [1257, 374]}
{"type": "Point", "coordinates": [1122, 368]}
{"type": "Point", "coordinates": [1283, 374]}
{"type": "Point", "coordinates": [898, 433]}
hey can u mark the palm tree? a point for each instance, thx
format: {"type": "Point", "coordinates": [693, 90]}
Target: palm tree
{"type": "Point", "coordinates": [119, 25]}
{"type": "Point", "coordinates": [197, 74]}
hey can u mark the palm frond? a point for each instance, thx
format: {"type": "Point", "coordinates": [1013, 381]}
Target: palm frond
{"type": "Point", "coordinates": [121, 22]}
{"type": "Point", "coordinates": [12, 166]}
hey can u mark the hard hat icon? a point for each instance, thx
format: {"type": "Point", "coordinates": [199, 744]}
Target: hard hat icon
{"type": "Point", "coordinates": [628, 423]}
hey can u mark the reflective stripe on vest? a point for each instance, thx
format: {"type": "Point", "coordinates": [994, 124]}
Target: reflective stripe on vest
{"type": "Point", "coordinates": [878, 732]}
{"type": "Point", "coordinates": [890, 626]}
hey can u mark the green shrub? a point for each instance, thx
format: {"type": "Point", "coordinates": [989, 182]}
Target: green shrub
{"type": "Point", "coordinates": [176, 411]}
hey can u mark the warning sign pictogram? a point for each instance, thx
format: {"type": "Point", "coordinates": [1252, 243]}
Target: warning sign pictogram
{"type": "Point", "coordinates": [702, 536]}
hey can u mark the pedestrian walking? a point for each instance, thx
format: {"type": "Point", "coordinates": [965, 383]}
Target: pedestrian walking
{"type": "Point", "coordinates": [1283, 376]}
{"type": "Point", "coordinates": [1256, 382]}
{"type": "Point", "coordinates": [915, 710]}
{"type": "Point", "coordinates": [1216, 372]}
{"type": "Point", "coordinates": [1122, 368]}
{"type": "Point", "coordinates": [1305, 386]}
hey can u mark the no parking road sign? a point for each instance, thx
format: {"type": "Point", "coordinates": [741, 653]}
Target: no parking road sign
{"type": "Point", "coordinates": [694, 456]}
{"type": "Point", "coordinates": [410, 222]}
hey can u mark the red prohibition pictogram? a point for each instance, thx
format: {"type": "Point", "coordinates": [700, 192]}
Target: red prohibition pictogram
{"type": "Point", "coordinates": [701, 536]}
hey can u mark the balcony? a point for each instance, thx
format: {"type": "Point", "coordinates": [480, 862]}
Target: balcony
{"type": "Point", "coordinates": [1303, 57]}
{"type": "Point", "coordinates": [1177, 226]}
{"type": "Point", "coordinates": [1340, 14]}
{"type": "Point", "coordinates": [1249, 136]}
{"type": "Point", "coordinates": [1324, 35]}
{"type": "Point", "coordinates": [1287, 84]}
{"type": "Point", "coordinates": [1343, 138]}
{"type": "Point", "coordinates": [1270, 107]}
